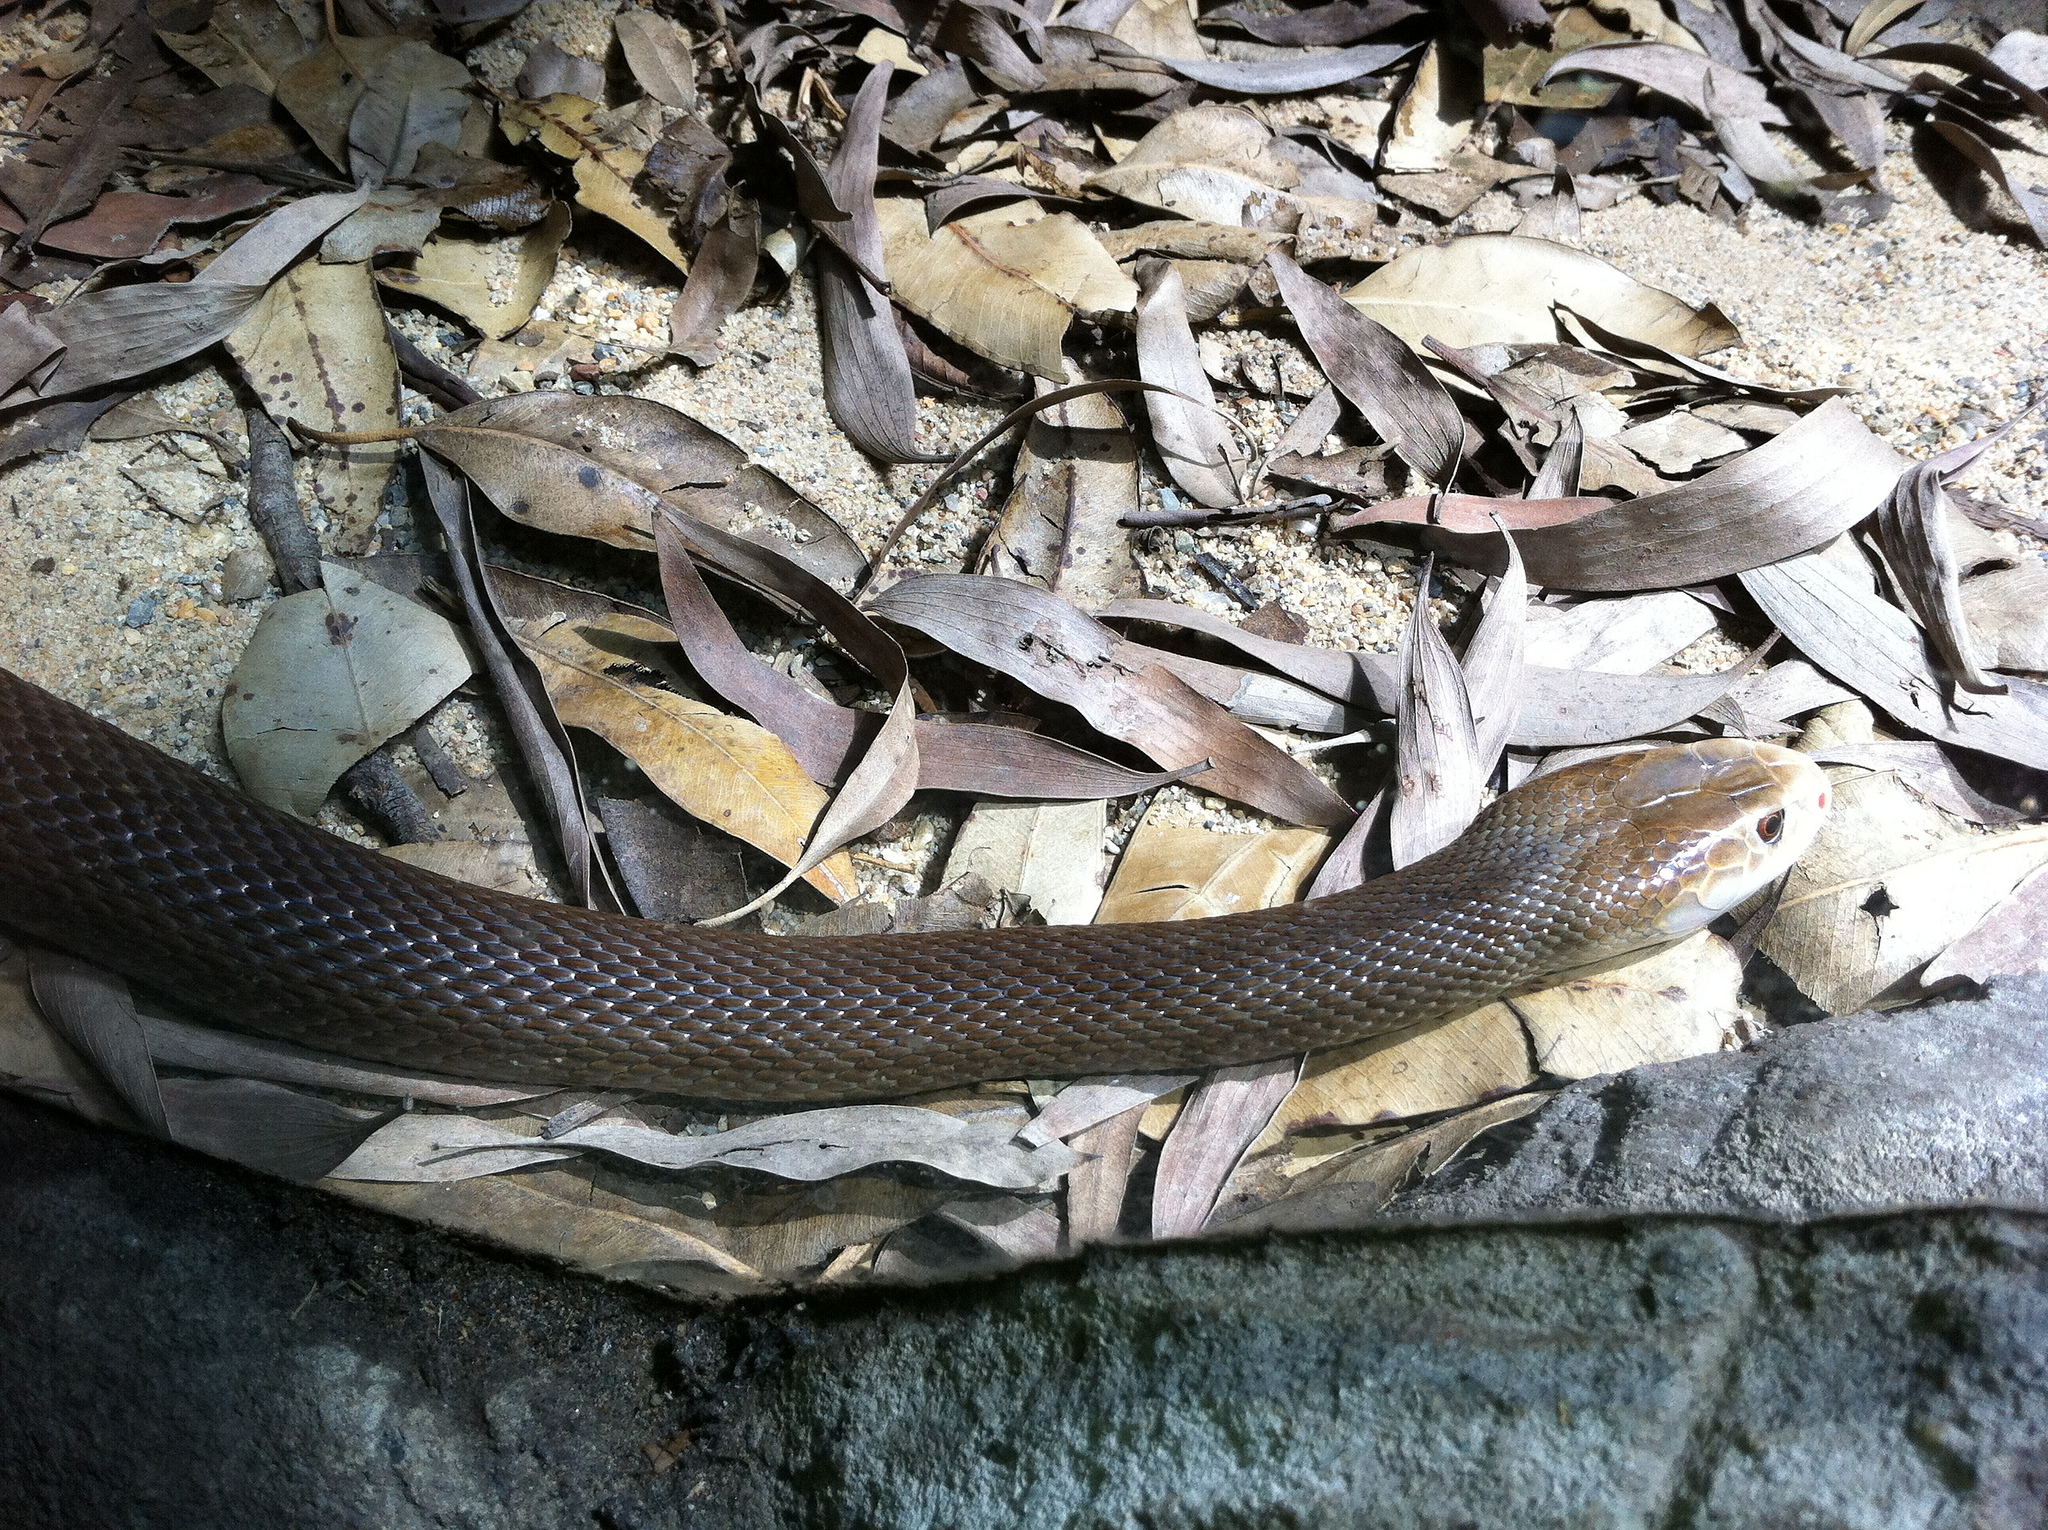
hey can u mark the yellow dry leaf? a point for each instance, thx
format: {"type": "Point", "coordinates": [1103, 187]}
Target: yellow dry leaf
{"type": "Point", "coordinates": [1004, 283]}
{"type": "Point", "coordinates": [606, 166]}
{"type": "Point", "coordinates": [1183, 873]}
{"type": "Point", "coordinates": [732, 773]}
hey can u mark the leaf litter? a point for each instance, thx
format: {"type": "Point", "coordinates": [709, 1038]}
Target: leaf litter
{"type": "Point", "coordinates": [1120, 194]}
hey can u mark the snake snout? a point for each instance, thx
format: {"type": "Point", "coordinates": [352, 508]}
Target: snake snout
{"type": "Point", "coordinates": [1737, 815]}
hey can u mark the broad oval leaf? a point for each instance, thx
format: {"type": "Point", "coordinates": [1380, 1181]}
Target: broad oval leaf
{"type": "Point", "coordinates": [328, 675]}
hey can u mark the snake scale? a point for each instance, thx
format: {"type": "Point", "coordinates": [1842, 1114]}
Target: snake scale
{"type": "Point", "coordinates": [245, 915]}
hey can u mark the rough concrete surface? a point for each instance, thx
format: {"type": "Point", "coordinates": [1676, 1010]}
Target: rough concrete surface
{"type": "Point", "coordinates": [188, 1346]}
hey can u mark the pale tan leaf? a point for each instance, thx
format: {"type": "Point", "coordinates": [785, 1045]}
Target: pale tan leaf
{"type": "Point", "coordinates": [316, 351]}
{"type": "Point", "coordinates": [1194, 442]}
{"type": "Point", "coordinates": [453, 270]}
{"type": "Point", "coordinates": [1053, 853]}
{"type": "Point", "coordinates": [1089, 1102]}
{"type": "Point", "coordinates": [1435, 115]}
{"type": "Point", "coordinates": [606, 164]}
{"type": "Point", "coordinates": [1203, 163]}
{"type": "Point", "coordinates": [1169, 872]}
{"type": "Point", "coordinates": [1442, 1067]}
{"type": "Point", "coordinates": [1890, 883]}
{"type": "Point", "coordinates": [1677, 1002]}
{"type": "Point", "coordinates": [1005, 283]}
{"type": "Point", "coordinates": [1499, 288]}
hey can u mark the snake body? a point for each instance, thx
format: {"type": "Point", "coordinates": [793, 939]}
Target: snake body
{"type": "Point", "coordinates": [123, 856]}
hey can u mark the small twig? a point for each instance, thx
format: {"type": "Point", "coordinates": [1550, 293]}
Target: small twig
{"type": "Point", "coordinates": [428, 375]}
{"type": "Point", "coordinates": [377, 789]}
{"type": "Point", "coordinates": [447, 774]}
{"type": "Point", "coordinates": [1227, 580]}
{"type": "Point", "coordinates": [1183, 515]}
{"type": "Point", "coordinates": [274, 506]}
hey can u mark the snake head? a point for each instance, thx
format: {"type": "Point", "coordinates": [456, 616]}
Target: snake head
{"type": "Point", "coordinates": [1731, 816]}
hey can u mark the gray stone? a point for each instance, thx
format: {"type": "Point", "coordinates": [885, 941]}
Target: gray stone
{"type": "Point", "coordinates": [1868, 1376]}
{"type": "Point", "coordinates": [189, 1346]}
{"type": "Point", "coordinates": [247, 573]}
{"type": "Point", "coordinates": [1943, 1105]}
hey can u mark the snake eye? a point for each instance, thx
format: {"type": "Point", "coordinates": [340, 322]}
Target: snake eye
{"type": "Point", "coordinates": [1771, 827]}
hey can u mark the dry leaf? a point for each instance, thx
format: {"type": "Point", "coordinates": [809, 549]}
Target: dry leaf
{"type": "Point", "coordinates": [1681, 1001]}
{"type": "Point", "coordinates": [1680, 73]}
{"type": "Point", "coordinates": [606, 164]}
{"type": "Point", "coordinates": [174, 1043]}
{"type": "Point", "coordinates": [1089, 1102]}
{"type": "Point", "coordinates": [1617, 637]}
{"type": "Point", "coordinates": [2009, 941]}
{"type": "Point", "coordinates": [595, 466]}
{"type": "Point", "coordinates": [1370, 366]}
{"type": "Point", "coordinates": [1204, 163]}
{"type": "Point", "coordinates": [93, 1010]}
{"type": "Point", "coordinates": [1075, 478]}
{"type": "Point", "coordinates": [329, 675]}
{"type": "Point", "coordinates": [1196, 445]}
{"type": "Point", "coordinates": [658, 53]}
{"type": "Point", "coordinates": [1416, 1073]}
{"type": "Point", "coordinates": [453, 271]}
{"type": "Point", "coordinates": [1890, 883]}
{"type": "Point", "coordinates": [1795, 492]}
{"type": "Point", "coordinates": [2004, 611]}
{"type": "Point", "coordinates": [116, 332]}
{"type": "Point", "coordinates": [734, 774]}
{"type": "Point", "coordinates": [1435, 115]}
{"type": "Point", "coordinates": [805, 1145]}
{"type": "Point", "coordinates": [1913, 529]}
{"type": "Point", "coordinates": [1169, 872]}
{"type": "Point", "coordinates": [1048, 645]}
{"type": "Point", "coordinates": [1348, 1190]}
{"type": "Point", "coordinates": [1278, 76]}
{"type": "Point", "coordinates": [1499, 288]}
{"type": "Point", "coordinates": [1095, 1187]}
{"type": "Point", "coordinates": [1874, 647]}
{"type": "Point", "coordinates": [1053, 853]}
{"type": "Point", "coordinates": [244, 42]}
{"type": "Point", "coordinates": [868, 382]}
{"type": "Point", "coordinates": [549, 1214]}
{"type": "Point", "coordinates": [316, 352]}
{"type": "Point", "coordinates": [1439, 777]}
{"type": "Point", "coordinates": [1004, 283]}
{"type": "Point", "coordinates": [1222, 1117]}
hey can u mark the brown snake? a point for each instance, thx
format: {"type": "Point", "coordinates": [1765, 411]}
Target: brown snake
{"type": "Point", "coordinates": [121, 855]}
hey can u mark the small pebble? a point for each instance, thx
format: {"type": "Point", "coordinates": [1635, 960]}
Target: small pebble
{"type": "Point", "coordinates": [247, 573]}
